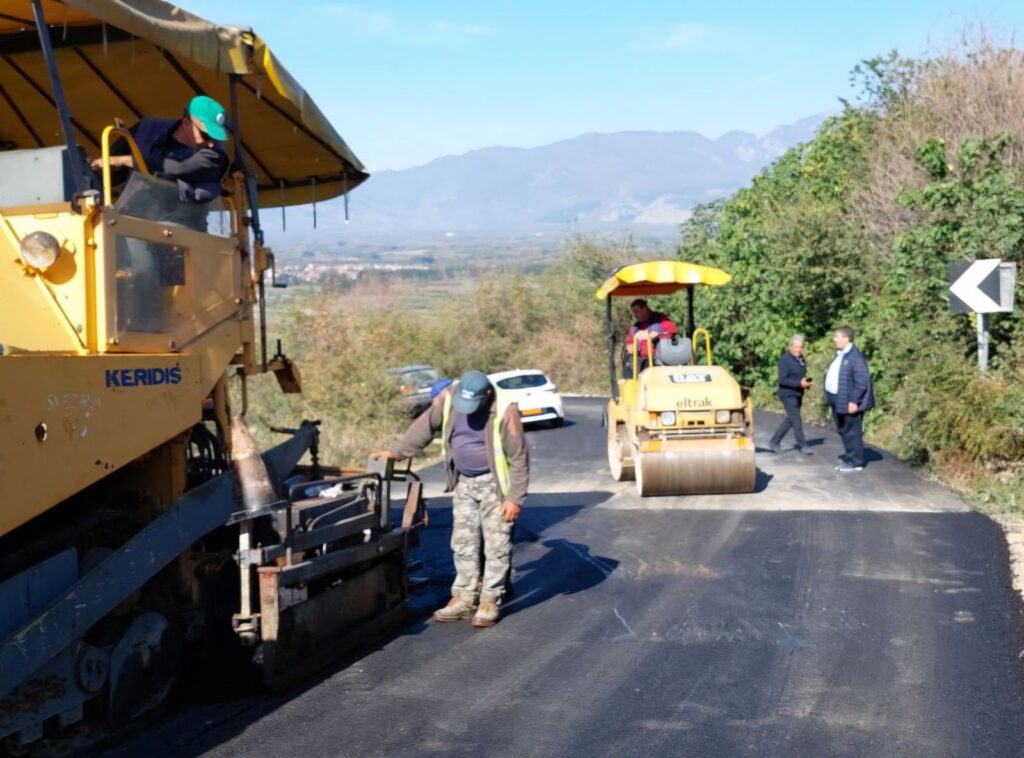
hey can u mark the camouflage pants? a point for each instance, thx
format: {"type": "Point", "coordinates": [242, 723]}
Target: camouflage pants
{"type": "Point", "coordinates": [476, 516]}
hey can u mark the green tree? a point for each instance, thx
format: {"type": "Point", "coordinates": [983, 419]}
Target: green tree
{"type": "Point", "coordinates": [796, 261]}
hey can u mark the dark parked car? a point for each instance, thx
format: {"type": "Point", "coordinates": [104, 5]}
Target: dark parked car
{"type": "Point", "coordinates": [414, 382]}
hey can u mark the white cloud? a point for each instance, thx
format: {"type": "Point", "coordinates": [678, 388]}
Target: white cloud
{"type": "Point", "coordinates": [388, 27]}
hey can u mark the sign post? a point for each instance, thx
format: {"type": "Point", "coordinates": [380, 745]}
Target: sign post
{"type": "Point", "coordinates": [982, 320]}
{"type": "Point", "coordinates": [982, 287]}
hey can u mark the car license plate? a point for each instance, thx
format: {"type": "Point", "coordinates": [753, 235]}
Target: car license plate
{"type": "Point", "coordinates": [531, 412]}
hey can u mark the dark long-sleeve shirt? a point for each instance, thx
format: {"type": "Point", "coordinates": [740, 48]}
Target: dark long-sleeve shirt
{"type": "Point", "coordinates": [791, 371]}
{"type": "Point", "coordinates": [199, 169]}
{"type": "Point", "coordinates": [513, 441]}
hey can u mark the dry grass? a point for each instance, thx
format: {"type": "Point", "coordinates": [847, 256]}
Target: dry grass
{"type": "Point", "coordinates": [975, 87]}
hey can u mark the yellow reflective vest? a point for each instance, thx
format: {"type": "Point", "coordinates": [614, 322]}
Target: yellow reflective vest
{"type": "Point", "coordinates": [500, 459]}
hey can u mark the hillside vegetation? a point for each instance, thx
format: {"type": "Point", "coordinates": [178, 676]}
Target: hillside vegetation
{"type": "Point", "coordinates": [345, 338]}
{"type": "Point", "coordinates": [858, 227]}
{"type": "Point", "coordinates": [855, 227]}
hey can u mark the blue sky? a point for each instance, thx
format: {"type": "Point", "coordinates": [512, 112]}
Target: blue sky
{"type": "Point", "coordinates": [406, 82]}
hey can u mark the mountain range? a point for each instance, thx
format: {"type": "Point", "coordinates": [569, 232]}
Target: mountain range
{"type": "Point", "coordinates": [594, 180]}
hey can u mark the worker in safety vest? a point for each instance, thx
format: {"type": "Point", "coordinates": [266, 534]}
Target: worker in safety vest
{"type": "Point", "coordinates": [487, 465]}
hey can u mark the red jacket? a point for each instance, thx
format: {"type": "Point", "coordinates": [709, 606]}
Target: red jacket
{"type": "Point", "coordinates": [658, 323]}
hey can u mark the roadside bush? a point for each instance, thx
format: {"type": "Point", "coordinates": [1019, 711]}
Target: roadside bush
{"type": "Point", "coordinates": [946, 405]}
{"type": "Point", "coordinates": [341, 356]}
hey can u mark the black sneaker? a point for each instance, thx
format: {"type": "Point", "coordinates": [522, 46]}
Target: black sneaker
{"type": "Point", "coordinates": [846, 467]}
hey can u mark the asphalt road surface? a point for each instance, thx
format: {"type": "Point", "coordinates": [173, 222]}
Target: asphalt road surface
{"type": "Point", "coordinates": [827, 614]}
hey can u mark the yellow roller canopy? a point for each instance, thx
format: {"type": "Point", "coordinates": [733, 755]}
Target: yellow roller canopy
{"type": "Point", "coordinates": [125, 59]}
{"type": "Point", "coordinates": [659, 278]}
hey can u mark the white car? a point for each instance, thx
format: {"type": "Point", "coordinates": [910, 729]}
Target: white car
{"type": "Point", "coordinates": [534, 392]}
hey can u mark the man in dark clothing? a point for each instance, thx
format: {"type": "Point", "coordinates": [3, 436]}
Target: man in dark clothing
{"type": "Point", "coordinates": [487, 469]}
{"type": "Point", "coordinates": [792, 382]}
{"type": "Point", "coordinates": [186, 150]}
{"type": "Point", "coordinates": [648, 323]}
{"type": "Point", "coordinates": [849, 392]}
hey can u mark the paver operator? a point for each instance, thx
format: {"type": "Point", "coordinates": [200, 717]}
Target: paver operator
{"type": "Point", "coordinates": [187, 150]}
{"type": "Point", "coordinates": [487, 469]}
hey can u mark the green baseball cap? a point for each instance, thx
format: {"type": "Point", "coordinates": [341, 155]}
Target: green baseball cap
{"type": "Point", "coordinates": [471, 391]}
{"type": "Point", "coordinates": [209, 115]}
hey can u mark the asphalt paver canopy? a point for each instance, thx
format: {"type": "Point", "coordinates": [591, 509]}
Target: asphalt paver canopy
{"type": "Point", "coordinates": [125, 59]}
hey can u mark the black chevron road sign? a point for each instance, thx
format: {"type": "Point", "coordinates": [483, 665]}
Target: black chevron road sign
{"type": "Point", "coordinates": [984, 286]}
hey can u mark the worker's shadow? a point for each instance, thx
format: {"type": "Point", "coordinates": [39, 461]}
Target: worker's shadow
{"type": "Point", "coordinates": [565, 569]}
{"type": "Point", "coordinates": [762, 480]}
{"type": "Point", "coordinates": [872, 456]}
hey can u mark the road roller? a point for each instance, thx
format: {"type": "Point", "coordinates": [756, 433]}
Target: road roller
{"type": "Point", "coordinates": [676, 426]}
{"type": "Point", "coordinates": [147, 547]}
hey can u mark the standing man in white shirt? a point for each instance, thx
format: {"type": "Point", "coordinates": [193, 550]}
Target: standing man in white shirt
{"type": "Point", "coordinates": [849, 392]}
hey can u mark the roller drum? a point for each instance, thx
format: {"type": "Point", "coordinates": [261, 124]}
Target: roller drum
{"type": "Point", "coordinates": [694, 472]}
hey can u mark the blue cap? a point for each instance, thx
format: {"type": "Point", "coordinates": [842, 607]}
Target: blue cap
{"type": "Point", "coordinates": [438, 386]}
{"type": "Point", "coordinates": [471, 391]}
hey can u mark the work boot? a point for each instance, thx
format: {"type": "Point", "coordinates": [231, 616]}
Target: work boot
{"type": "Point", "coordinates": [486, 614]}
{"type": "Point", "coordinates": [456, 610]}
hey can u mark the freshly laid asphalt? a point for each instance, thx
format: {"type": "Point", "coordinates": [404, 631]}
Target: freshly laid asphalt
{"type": "Point", "coordinates": [827, 614]}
